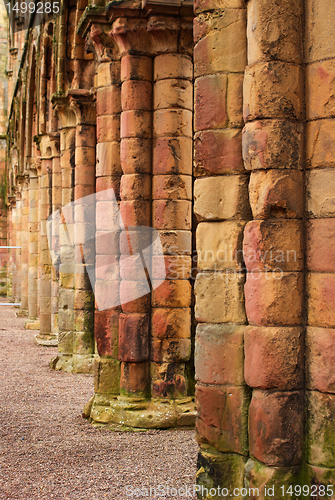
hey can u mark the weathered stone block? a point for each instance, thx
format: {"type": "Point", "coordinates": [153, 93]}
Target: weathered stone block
{"type": "Point", "coordinates": [321, 89]}
{"type": "Point", "coordinates": [274, 358]}
{"type": "Point", "coordinates": [173, 66]}
{"type": "Point", "coordinates": [321, 299]}
{"type": "Point", "coordinates": [224, 197]}
{"type": "Point", "coordinates": [321, 193]}
{"type": "Point", "coordinates": [320, 37]}
{"type": "Point", "coordinates": [170, 350]}
{"type": "Point", "coordinates": [136, 68]}
{"type": "Point", "coordinates": [168, 380]}
{"type": "Point", "coordinates": [136, 95]}
{"type": "Point", "coordinates": [131, 289]}
{"type": "Point", "coordinates": [222, 418]}
{"type": "Point", "coordinates": [172, 155]}
{"type": "Point", "coordinates": [320, 245]}
{"type": "Point", "coordinates": [320, 359]}
{"type": "Point", "coordinates": [83, 342]}
{"type": "Point", "coordinates": [171, 214]}
{"type": "Point", "coordinates": [172, 187]}
{"type": "Point", "coordinates": [210, 102]}
{"type": "Point", "coordinates": [276, 422]}
{"type": "Point", "coordinates": [106, 376]}
{"type": "Point", "coordinates": [135, 213]}
{"type": "Point", "coordinates": [263, 482]}
{"type": "Point", "coordinates": [135, 186]}
{"type": "Point", "coordinates": [219, 298]}
{"type": "Point", "coordinates": [219, 245]}
{"type": "Point", "coordinates": [275, 33]}
{"type": "Point", "coordinates": [226, 32]}
{"type": "Point", "coordinates": [321, 429]}
{"type": "Point", "coordinates": [108, 100]}
{"type": "Point", "coordinates": [218, 152]}
{"type": "Point", "coordinates": [273, 244]}
{"type": "Point", "coordinates": [173, 93]}
{"type": "Point", "coordinates": [219, 354]}
{"type": "Point", "coordinates": [177, 267]}
{"type": "Point", "coordinates": [172, 293]}
{"type": "Point", "coordinates": [235, 99]}
{"type": "Point", "coordinates": [173, 122]}
{"type": "Point", "coordinates": [134, 337]}
{"type": "Point", "coordinates": [135, 124]}
{"type": "Point", "coordinates": [108, 128]}
{"type": "Point", "coordinates": [273, 90]}
{"type": "Point", "coordinates": [320, 147]}
{"type": "Point", "coordinates": [276, 194]}
{"type": "Point", "coordinates": [108, 159]}
{"type": "Point", "coordinates": [106, 331]}
{"type": "Point", "coordinates": [272, 144]}
{"type": "Point", "coordinates": [135, 154]}
{"type": "Point", "coordinates": [208, 5]}
{"type": "Point", "coordinates": [171, 323]}
{"type": "Point", "coordinates": [135, 378]}
{"type": "Point", "coordinates": [274, 298]}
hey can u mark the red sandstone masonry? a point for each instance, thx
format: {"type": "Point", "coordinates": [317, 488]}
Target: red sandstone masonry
{"type": "Point", "coordinates": [273, 108]}
{"type": "Point", "coordinates": [221, 206]}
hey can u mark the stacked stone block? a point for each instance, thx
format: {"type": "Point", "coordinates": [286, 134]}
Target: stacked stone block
{"type": "Point", "coordinates": [172, 217]}
{"type": "Point", "coordinates": [107, 284]}
{"type": "Point", "coordinates": [222, 209]}
{"type": "Point", "coordinates": [320, 233]}
{"type": "Point", "coordinates": [273, 242]}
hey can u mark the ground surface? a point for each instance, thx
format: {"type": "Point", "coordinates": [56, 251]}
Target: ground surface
{"type": "Point", "coordinates": [48, 451]}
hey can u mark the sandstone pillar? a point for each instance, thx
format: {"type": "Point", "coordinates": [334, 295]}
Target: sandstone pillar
{"type": "Point", "coordinates": [24, 246]}
{"type": "Point", "coordinates": [320, 233]}
{"type": "Point", "coordinates": [273, 241]}
{"type": "Point", "coordinates": [66, 263]}
{"type": "Point", "coordinates": [108, 173]}
{"type": "Point", "coordinates": [33, 322]}
{"type": "Point", "coordinates": [45, 336]}
{"type": "Point", "coordinates": [83, 104]}
{"type": "Point", "coordinates": [222, 209]}
{"type": "Point", "coordinates": [150, 387]}
{"type": "Point", "coordinates": [171, 325]}
{"type": "Point", "coordinates": [56, 205]}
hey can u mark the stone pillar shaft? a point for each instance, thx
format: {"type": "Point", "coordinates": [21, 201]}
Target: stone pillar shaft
{"type": "Point", "coordinates": [320, 235]}
{"type": "Point", "coordinates": [222, 210]}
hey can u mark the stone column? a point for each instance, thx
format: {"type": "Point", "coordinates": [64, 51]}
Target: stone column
{"type": "Point", "coordinates": [135, 208]}
{"type": "Point", "coordinates": [273, 241]}
{"type": "Point", "coordinates": [45, 337]}
{"type": "Point", "coordinates": [320, 213]}
{"type": "Point", "coordinates": [152, 377]}
{"type": "Point", "coordinates": [67, 123]}
{"type": "Point", "coordinates": [56, 205]}
{"type": "Point", "coordinates": [108, 173]}
{"type": "Point", "coordinates": [171, 325]}
{"type": "Point", "coordinates": [83, 103]}
{"type": "Point", "coordinates": [24, 246]}
{"type": "Point", "coordinates": [33, 323]}
{"type": "Point", "coordinates": [222, 209]}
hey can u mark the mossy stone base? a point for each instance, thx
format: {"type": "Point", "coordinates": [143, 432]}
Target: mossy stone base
{"type": "Point", "coordinates": [76, 363]}
{"type": "Point", "coordinates": [141, 413]}
{"type": "Point", "coordinates": [46, 340]}
{"type": "Point", "coordinates": [215, 469]}
{"type": "Point", "coordinates": [32, 324]}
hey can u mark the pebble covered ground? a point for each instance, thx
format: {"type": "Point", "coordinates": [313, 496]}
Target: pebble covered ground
{"type": "Point", "coordinates": [48, 451]}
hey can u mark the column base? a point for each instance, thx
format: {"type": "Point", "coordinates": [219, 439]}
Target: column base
{"type": "Point", "coordinates": [76, 363]}
{"type": "Point", "coordinates": [32, 324]}
{"type": "Point", "coordinates": [22, 313]}
{"type": "Point", "coordinates": [141, 413]}
{"type": "Point", "coordinates": [48, 340]}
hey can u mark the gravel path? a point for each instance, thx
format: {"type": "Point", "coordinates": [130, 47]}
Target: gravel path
{"type": "Point", "coordinates": [48, 451]}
